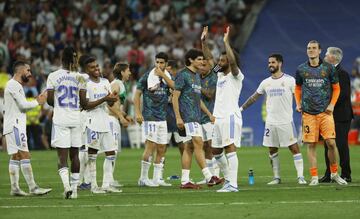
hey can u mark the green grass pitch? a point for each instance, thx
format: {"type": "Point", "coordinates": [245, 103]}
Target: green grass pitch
{"type": "Point", "coordinates": [287, 200]}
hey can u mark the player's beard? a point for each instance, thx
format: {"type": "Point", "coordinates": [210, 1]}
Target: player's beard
{"type": "Point", "coordinates": [24, 79]}
{"type": "Point", "coordinates": [273, 70]}
{"type": "Point", "coordinates": [224, 68]}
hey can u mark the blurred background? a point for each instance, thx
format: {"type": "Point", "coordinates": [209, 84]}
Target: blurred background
{"type": "Point", "coordinates": [134, 31]}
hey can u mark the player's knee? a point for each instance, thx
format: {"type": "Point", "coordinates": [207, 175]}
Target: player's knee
{"type": "Point", "coordinates": [109, 153]}
{"type": "Point", "coordinates": [216, 151]}
{"type": "Point", "coordinates": [330, 143]}
{"type": "Point", "coordinates": [273, 150]}
{"type": "Point", "coordinates": [294, 149]}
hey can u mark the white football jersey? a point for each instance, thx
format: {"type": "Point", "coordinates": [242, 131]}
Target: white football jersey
{"type": "Point", "coordinates": [66, 86]}
{"type": "Point", "coordinates": [15, 107]}
{"type": "Point", "coordinates": [228, 89]}
{"type": "Point", "coordinates": [98, 117]}
{"type": "Point", "coordinates": [279, 99]}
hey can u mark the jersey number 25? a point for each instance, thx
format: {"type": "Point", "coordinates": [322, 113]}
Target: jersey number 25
{"type": "Point", "coordinates": [68, 96]}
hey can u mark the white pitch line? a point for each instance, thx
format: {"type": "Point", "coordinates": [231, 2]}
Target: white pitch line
{"type": "Point", "coordinates": [179, 204]}
{"type": "Point", "coordinates": [167, 192]}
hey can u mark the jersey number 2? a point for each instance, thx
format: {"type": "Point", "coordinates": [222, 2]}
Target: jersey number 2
{"type": "Point", "coordinates": [68, 96]}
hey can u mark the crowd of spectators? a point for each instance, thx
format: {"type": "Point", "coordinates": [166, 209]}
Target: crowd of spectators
{"type": "Point", "coordinates": [131, 31]}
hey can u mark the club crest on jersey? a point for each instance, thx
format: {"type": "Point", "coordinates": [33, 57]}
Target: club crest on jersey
{"type": "Point", "coordinates": [283, 84]}
{"type": "Point", "coordinates": [323, 74]}
{"type": "Point", "coordinates": [306, 74]}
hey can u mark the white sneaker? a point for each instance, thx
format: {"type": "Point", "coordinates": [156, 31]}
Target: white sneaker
{"type": "Point", "coordinates": [111, 189]}
{"type": "Point", "coordinates": [97, 190]}
{"type": "Point", "coordinates": [39, 191]}
{"type": "Point", "coordinates": [228, 188]}
{"type": "Point", "coordinates": [301, 180]}
{"type": "Point", "coordinates": [116, 184]}
{"type": "Point", "coordinates": [202, 182]}
{"type": "Point", "coordinates": [161, 182]}
{"type": "Point", "coordinates": [18, 192]}
{"type": "Point", "coordinates": [314, 181]}
{"type": "Point", "coordinates": [147, 182]}
{"type": "Point", "coordinates": [275, 181]}
{"type": "Point", "coordinates": [338, 179]}
{"type": "Point", "coordinates": [67, 194]}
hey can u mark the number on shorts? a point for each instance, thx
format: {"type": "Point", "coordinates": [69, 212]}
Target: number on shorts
{"type": "Point", "coordinates": [68, 97]}
{"type": "Point", "coordinates": [267, 131]}
{"type": "Point", "coordinates": [22, 137]}
{"type": "Point", "coordinates": [93, 135]}
{"type": "Point", "coordinates": [152, 127]}
{"type": "Point", "coordinates": [306, 129]}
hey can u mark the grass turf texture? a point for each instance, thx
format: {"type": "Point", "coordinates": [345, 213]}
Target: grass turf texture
{"type": "Point", "coordinates": [287, 200]}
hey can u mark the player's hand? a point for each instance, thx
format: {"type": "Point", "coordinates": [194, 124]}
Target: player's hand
{"type": "Point", "coordinates": [139, 118]}
{"type": "Point", "coordinates": [159, 72]}
{"type": "Point", "coordinates": [41, 99]}
{"type": "Point", "coordinates": [111, 97]}
{"type": "Point", "coordinates": [298, 108]}
{"type": "Point", "coordinates": [204, 33]}
{"type": "Point", "coordinates": [180, 123]}
{"type": "Point", "coordinates": [226, 34]}
{"type": "Point", "coordinates": [130, 119]}
{"type": "Point", "coordinates": [124, 122]}
{"type": "Point", "coordinates": [329, 109]}
{"type": "Point", "coordinates": [212, 119]}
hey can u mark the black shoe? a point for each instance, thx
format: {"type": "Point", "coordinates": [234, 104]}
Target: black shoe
{"type": "Point", "coordinates": [347, 179]}
{"type": "Point", "coordinates": [325, 179]}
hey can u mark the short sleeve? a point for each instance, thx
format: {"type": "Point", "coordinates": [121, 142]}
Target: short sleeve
{"type": "Point", "coordinates": [261, 88]}
{"type": "Point", "coordinates": [82, 78]}
{"type": "Point", "coordinates": [179, 81]}
{"type": "Point", "coordinates": [292, 84]}
{"type": "Point", "coordinates": [298, 78]}
{"type": "Point", "coordinates": [213, 81]}
{"type": "Point", "coordinates": [142, 83]}
{"type": "Point", "coordinates": [50, 85]}
{"type": "Point", "coordinates": [334, 76]}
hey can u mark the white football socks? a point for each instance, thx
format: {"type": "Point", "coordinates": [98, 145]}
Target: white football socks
{"type": "Point", "coordinates": [275, 163]}
{"type": "Point", "coordinates": [27, 172]}
{"type": "Point", "coordinates": [14, 169]}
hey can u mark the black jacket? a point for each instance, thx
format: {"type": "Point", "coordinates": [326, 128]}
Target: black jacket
{"type": "Point", "coordinates": [343, 110]}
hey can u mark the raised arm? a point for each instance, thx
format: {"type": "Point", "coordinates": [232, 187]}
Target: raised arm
{"type": "Point", "coordinates": [205, 47]}
{"type": "Point", "coordinates": [252, 99]}
{"type": "Point", "coordinates": [168, 80]}
{"type": "Point", "coordinates": [230, 54]}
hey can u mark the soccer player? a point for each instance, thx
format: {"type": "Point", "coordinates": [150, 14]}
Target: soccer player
{"type": "Point", "coordinates": [63, 88]}
{"type": "Point", "coordinates": [84, 175]}
{"type": "Point", "coordinates": [99, 128]}
{"type": "Point", "coordinates": [172, 68]}
{"type": "Point", "coordinates": [15, 106]}
{"type": "Point", "coordinates": [187, 106]}
{"type": "Point", "coordinates": [280, 130]}
{"type": "Point", "coordinates": [121, 74]}
{"type": "Point", "coordinates": [317, 90]}
{"type": "Point", "coordinates": [208, 89]}
{"type": "Point", "coordinates": [154, 88]}
{"type": "Point", "coordinates": [228, 123]}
